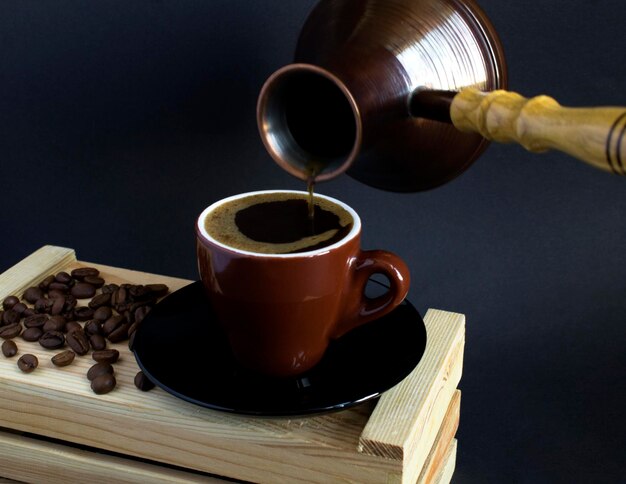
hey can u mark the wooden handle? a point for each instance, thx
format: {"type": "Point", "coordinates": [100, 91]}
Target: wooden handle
{"type": "Point", "coordinates": [594, 135]}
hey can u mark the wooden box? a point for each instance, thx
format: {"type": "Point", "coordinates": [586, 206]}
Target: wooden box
{"type": "Point", "coordinates": [53, 428]}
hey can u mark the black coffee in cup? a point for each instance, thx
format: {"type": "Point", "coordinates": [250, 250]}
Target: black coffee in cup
{"type": "Point", "coordinates": [278, 223]}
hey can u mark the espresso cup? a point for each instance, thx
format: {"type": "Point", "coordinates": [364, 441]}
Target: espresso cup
{"type": "Point", "coordinates": [281, 297]}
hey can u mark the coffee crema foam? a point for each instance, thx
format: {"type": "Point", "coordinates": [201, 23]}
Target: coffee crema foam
{"type": "Point", "coordinates": [221, 224]}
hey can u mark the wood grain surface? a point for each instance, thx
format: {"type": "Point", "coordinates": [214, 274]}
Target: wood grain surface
{"type": "Point", "coordinates": [58, 403]}
{"type": "Point", "coordinates": [407, 419]}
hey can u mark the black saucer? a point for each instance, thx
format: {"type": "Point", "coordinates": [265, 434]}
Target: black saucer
{"type": "Point", "coordinates": [180, 347]}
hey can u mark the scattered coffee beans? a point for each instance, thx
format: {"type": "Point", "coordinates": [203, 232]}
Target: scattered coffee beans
{"type": "Point", "coordinates": [100, 300]}
{"type": "Point", "coordinates": [52, 340]}
{"type": "Point", "coordinates": [106, 356]}
{"type": "Point", "coordinates": [9, 302]}
{"type": "Point", "coordinates": [143, 382]}
{"type": "Point", "coordinates": [11, 316]}
{"type": "Point", "coordinates": [36, 321]}
{"type": "Point", "coordinates": [63, 277]}
{"type": "Point", "coordinates": [27, 363]}
{"type": "Point", "coordinates": [97, 342]}
{"type": "Point", "coordinates": [32, 334]}
{"type": "Point", "coordinates": [112, 324]}
{"type": "Point", "coordinates": [82, 290]}
{"type": "Point", "coordinates": [55, 323]}
{"type": "Point", "coordinates": [78, 341]}
{"type": "Point", "coordinates": [83, 313]}
{"type": "Point", "coordinates": [83, 272]}
{"type": "Point", "coordinates": [103, 384]}
{"type": "Point", "coordinates": [72, 326]}
{"type": "Point", "coordinates": [9, 348]}
{"type": "Point", "coordinates": [94, 281]}
{"type": "Point", "coordinates": [64, 358]}
{"type": "Point", "coordinates": [54, 319]}
{"type": "Point", "coordinates": [10, 331]}
{"type": "Point", "coordinates": [45, 284]}
{"type": "Point", "coordinates": [103, 313]}
{"type": "Point", "coordinates": [119, 334]}
{"type": "Point", "coordinates": [58, 305]}
{"type": "Point", "coordinates": [32, 294]}
{"type": "Point", "coordinates": [99, 369]}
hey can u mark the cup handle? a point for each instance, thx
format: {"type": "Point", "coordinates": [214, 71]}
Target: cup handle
{"type": "Point", "coordinates": [359, 309]}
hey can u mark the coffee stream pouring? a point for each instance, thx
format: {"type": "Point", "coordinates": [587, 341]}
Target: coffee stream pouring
{"type": "Point", "coordinates": [405, 94]}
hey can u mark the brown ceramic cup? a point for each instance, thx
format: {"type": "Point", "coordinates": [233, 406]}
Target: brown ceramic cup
{"type": "Point", "coordinates": [280, 311]}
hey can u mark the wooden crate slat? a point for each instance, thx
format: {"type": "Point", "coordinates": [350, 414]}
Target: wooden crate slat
{"type": "Point", "coordinates": [406, 420]}
{"type": "Point", "coordinates": [31, 460]}
{"type": "Point", "coordinates": [444, 476]}
{"type": "Point", "coordinates": [47, 260]}
{"type": "Point", "coordinates": [448, 429]}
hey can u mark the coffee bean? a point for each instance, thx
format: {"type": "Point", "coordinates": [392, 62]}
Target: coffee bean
{"type": "Point", "coordinates": [141, 312]}
{"type": "Point", "coordinates": [64, 358]}
{"type": "Point", "coordinates": [106, 356]}
{"type": "Point", "coordinates": [10, 331]}
{"type": "Point", "coordinates": [55, 323]}
{"type": "Point", "coordinates": [43, 285]}
{"type": "Point", "coordinates": [70, 303]}
{"type": "Point", "coordinates": [131, 341]}
{"type": "Point", "coordinates": [32, 294]}
{"type": "Point", "coordinates": [140, 293]}
{"type": "Point", "coordinates": [122, 308]}
{"type": "Point", "coordinates": [102, 313]}
{"type": "Point", "coordinates": [36, 321]}
{"type": "Point", "coordinates": [32, 334]}
{"type": "Point", "coordinates": [119, 297]}
{"type": "Point", "coordinates": [72, 326]}
{"type": "Point", "coordinates": [20, 308]}
{"type": "Point", "coordinates": [143, 382]}
{"type": "Point", "coordinates": [58, 304]}
{"type": "Point", "coordinates": [119, 334]}
{"type": "Point", "coordinates": [9, 302]}
{"type": "Point", "coordinates": [97, 342]}
{"type": "Point", "coordinates": [99, 369]}
{"type": "Point", "coordinates": [54, 293]}
{"type": "Point", "coordinates": [94, 281]}
{"type": "Point", "coordinates": [158, 290]}
{"type": "Point", "coordinates": [112, 324]}
{"type": "Point", "coordinates": [11, 317]}
{"type": "Point", "coordinates": [82, 290]}
{"type": "Point", "coordinates": [9, 348]}
{"type": "Point", "coordinates": [27, 363]}
{"type": "Point", "coordinates": [83, 272]}
{"type": "Point", "coordinates": [59, 287]}
{"type": "Point", "coordinates": [43, 305]}
{"type": "Point", "coordinates": [83, 313]}
{"type": "Point", "coordinates": [102, 299]}
{"type": "Point", "coordinates": [109, 288]}
{"type": "Point", "coordinates": [28, 312]}
{"type": "Point", "coordinates": [78, 341]}
{"type": "Point", "coordinates": [93, 326]}
{"type": "Point", "coordinates": [103, 384]}
{"type": "Point", "coordinates": [133, 327]}
{"type": "Point", "coordinates": [63, 277]}
{"type": "Point", "coordinates": [52, 340]}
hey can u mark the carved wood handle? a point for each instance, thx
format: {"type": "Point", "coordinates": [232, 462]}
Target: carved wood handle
{"type": "Point", "coordinates": [595, 135]}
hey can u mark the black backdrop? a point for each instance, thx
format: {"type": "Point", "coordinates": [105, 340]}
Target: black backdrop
{"type": "Point", "coordinates": [120, 121]}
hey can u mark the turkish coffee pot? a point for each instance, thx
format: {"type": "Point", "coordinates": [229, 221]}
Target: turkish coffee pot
{"type": "Point", "coordinates": [404, 95]}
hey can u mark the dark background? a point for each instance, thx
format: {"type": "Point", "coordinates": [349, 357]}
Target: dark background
{"type": "Point", "coordinates": [121, 120]}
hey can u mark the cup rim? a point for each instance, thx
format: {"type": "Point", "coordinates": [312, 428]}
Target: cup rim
{"type": "Point", "coordinates": [204, 236]}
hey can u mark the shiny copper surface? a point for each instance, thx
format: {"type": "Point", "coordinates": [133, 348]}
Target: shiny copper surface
{"type": "Point", "coordinates": [370, 57]}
